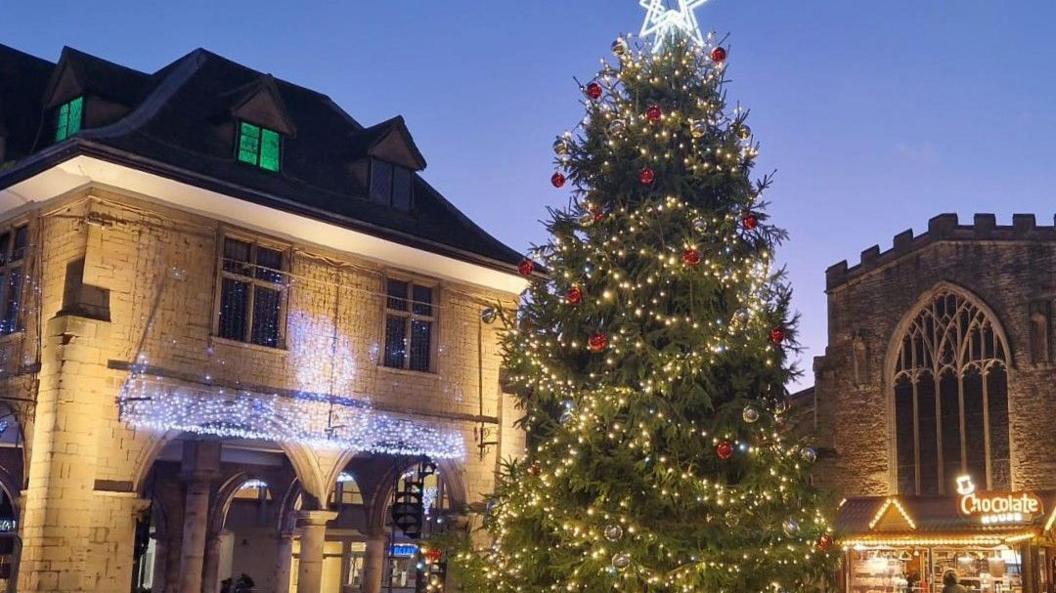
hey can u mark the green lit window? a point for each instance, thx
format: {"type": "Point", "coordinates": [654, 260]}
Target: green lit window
{"type": "Point", "coordinates": [259, 146]}
{"type": "Point", "coordinates": [68, 119]}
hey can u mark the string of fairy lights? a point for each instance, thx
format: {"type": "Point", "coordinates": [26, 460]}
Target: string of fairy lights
{"type": "Point", "coordinates": [596, 336]}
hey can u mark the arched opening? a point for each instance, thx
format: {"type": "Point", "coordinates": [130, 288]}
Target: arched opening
{"type": "Point", "coordinates": [950, 378]}
{"type": "Point", "coordinates": [11, 482]}
{"type": "Point", "coordinates": [246, 482]}
{"type": "Point", "coordinates": [363, 495]}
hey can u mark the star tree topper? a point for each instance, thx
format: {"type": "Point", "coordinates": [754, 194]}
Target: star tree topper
{"type": "Point", "coordinates": [665, 23]}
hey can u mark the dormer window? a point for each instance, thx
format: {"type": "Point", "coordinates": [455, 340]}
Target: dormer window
{"type": "Point", "coordinates": [68, 119]}
{"type": "Point", "coordinates": [259, 146]}
{"type": "Point", "coordinates": [391, 185]}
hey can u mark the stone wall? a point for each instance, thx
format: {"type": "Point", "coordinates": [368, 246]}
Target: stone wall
{"type": "Point", "coordinates": [1010, 269]}
{"type": "Point", "coordinates": [153, 271]}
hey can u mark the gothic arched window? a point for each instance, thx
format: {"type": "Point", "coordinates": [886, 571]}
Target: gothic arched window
{"type": "Point", "coordinates": [951, 398]}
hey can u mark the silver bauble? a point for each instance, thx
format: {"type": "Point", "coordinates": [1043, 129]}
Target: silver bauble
{"type": "Point", "coordinates": [700, 225]}
{"type": "Point", "coordinates": [561, 146]}
{"type": "Point", "coordinates": [809, 454]}
{"type": "Point", "coordinates": [617, 127]}
{"type": "Point", "coordinates": [744, 132]}
{"type": "Point", "coordinates": [620, 47]}
{"type": "Point", "coordinates": [790, 527]}
{"type": "Point", "coordinates": [613, 533]}
{"type": "Point", "coordinates": [698, 128]}
{"type": "Point", "coordinates": [750, 414]}
{"type": "Point", "coordinates": [621, 561]}
{"type": "Point", "coordinates": [731, 519]}
{"type": "Point", "coordinates": [489, 314]}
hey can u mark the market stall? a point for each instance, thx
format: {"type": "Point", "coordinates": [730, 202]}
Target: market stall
{"type": "Point", "coordinates": [992, 542]}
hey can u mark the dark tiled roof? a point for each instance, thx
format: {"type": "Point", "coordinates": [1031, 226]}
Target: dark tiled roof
{"type": "Point", "coordinates": [180, 125]}
{"type": "Point", "coordinates": [23, 79]}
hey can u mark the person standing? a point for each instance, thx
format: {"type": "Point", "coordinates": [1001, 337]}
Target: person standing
{"type": "Point", "coordinates": [950, 584]}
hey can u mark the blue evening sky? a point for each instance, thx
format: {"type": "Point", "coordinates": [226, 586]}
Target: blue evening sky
{"type": "Point", "coordinates": [877, 115]}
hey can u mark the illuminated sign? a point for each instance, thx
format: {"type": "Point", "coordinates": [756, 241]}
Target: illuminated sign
{"type": "Point", "coordinates": [996, 508]}
{"type": "Point", "coordinates": [403, 550]}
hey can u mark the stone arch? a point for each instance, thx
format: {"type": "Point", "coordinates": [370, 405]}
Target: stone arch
{"type": "Point", "coordinates": [225, 495]}
{"type": "Point", "coordinates": [377, 505]}
{"type": "Point", "coordinates": [894, 342]}
{"type": "Point", "coordinates": [305, 463]}
{"type": "Point", "coordinates": [13, 478]}
{"type": "Point", "coordinates": [948, 335]}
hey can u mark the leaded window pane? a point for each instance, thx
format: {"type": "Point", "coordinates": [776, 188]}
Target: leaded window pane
{"type": "Point", "coordinates": [997, 404]}
{"type": "Point", "coordinates": [269, 265]}
{"type": "Point", "coordinates": [421, 344]}
{"type": "Point", "coordinates": [249, 143]}
{"type": "Point", "coordinates": [270, 147]}
{"type": "Point", "coordinates": [949, 401]}
{"type": "Point", "coordinates": [267, 305]}
{"type": "Point", "coordinates": [18, 251]}
{"type": "Point", "coordinates": [73, 125]}
{"type": "Point", "coordinates": [905, 418]}
{"type": "Point", "coordinates": [423, 301]}
{"type": "Point", "coordinates": [974, 425]}
{"type": "Point", "coordinates": [236, 256]}
{"type": "Point", "coordinates": [395, 341]}
{"type": "Point", "coordinates": [928, 435]}
{"type": "Point", "coordinates": [397, 295]}
{"type": "Point", "coordinates": [381, 182]}
{"type": "Point", "coordinates": [234, 306]}
{"type": "Point", "coordinates": [401, 188]}
{"type": "Point", "coordinates": [62, 122]}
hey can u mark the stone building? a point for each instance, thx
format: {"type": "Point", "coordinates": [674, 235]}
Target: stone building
{"type": "Point", "coordinates": [236, 325]}
{"type": "Point", "coordinates": [937, 385]}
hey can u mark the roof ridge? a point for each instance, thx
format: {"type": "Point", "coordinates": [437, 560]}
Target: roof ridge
{"type": "Point", "coordinates": [67, 49]}
{"type": "Point", "coordinates": [4, 47]}
{"type": "Point", "coordinates": [153, 102]}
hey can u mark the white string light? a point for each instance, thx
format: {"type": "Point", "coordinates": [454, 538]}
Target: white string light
{"type": "Point", "coordinates": [309, 419]}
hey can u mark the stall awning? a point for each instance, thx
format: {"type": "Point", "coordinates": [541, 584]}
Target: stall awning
{"type": "Point", "coordinates": [990, 518]}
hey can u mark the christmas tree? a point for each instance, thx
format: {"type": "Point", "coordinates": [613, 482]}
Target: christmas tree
{"type": "Point", "coordinates": [651, 355]}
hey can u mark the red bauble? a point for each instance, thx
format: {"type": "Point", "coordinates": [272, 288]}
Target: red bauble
{"type": "Point", "coordinates": [598, 342]}
{"type": "Point", "coordinates": [598, 213]}
{"type": "Point", "coordinates": [646, 176]}
{"type": "Point", "coordinates": [594, 91]}
{"type": "Point", "coordinates": [777, 335]}
{"type": "Point", "coordinates": [557, 179]}
{"type": "Point", "coordinates": [824, 542]}
{"type": "Point", "coordinates": [433, 555]}
{"type": "Point", "coordinates": [749, 221]}
{"type": "Point", "coordinates": [574, 296]}
{"type": "Point", "coordinates": [691, 257]}
{"type": "Point", "coordinates": [724, 450]}
{"type": "Point", "coordinates": [534, 469]}
{"type": "Point", "coordinates": [526, 267]}
{"type": "Point", "coordinates": [718, 55]}
{"type": "Point", "coordinates": [654, 113]}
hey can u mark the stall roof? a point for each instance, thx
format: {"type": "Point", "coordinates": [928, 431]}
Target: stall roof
{"type": "Point", "coordinates": [938, 518]}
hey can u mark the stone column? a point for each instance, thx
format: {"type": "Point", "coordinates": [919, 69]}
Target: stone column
{"type": "Point", "coordinates": [310, 563]}
{"type": "Point", "coordinates": [201, 463]}
{"type": "Point", "coordinates": [211, 569]}
{"type": "Point", "coordinates": [60, 528]}
{"type": "Point", "coordinates": [283, 562]}
{"type": "Point", "coordinates": [374, 562]}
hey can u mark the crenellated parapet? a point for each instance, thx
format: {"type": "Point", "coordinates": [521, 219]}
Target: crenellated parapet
{"type": "Point", "coordinates": [944, 227]}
